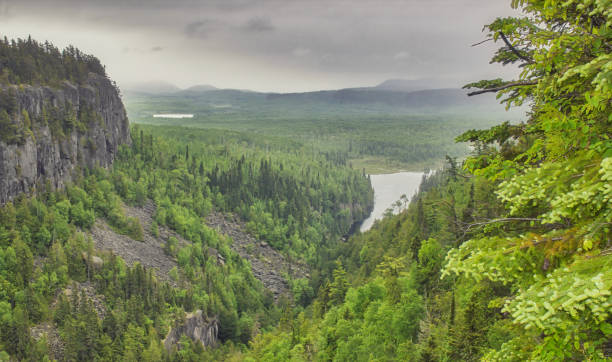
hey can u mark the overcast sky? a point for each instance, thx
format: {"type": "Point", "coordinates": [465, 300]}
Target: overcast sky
{"type": "Point", "coordinates": [268, 45]}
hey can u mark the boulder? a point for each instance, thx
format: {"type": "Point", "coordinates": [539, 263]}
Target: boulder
{"type": "Point", "coordinates": [196, 326]}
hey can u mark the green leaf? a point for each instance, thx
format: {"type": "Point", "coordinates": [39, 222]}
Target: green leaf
{"type": "Point", "coordinates": [606, 328]}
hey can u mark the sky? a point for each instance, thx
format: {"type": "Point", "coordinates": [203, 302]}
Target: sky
{"type": "Point", "coordinates": [269, 45]}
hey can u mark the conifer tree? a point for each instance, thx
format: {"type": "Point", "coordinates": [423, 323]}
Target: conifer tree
{"type": "Point", "coordinates": [553, 173]}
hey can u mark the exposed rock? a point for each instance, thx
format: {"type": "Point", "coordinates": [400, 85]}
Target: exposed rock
{"type": "Point", "coordinates": [267, 264]}
{"type": "Point", "coordinates": [149, 252]}
{"type": "Point", "coordinates": [88, 289]}
{"type": "Point", "coordinates": [95, 260]}
{"type": "Point", "coordinates": [44, 157]}
{"type": "Point", "coordinates": [197, 327]}
{"type": "Point", "coordinates": [144, 215]}
{"type": "Point", "coordinates": [54, 341]}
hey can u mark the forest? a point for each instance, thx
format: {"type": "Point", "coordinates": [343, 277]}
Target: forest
{"type": "Point", "coordinates": [372, 135]}
{"type": "Point", "coordinates": [300, 203]}
{"type": "Point", "coordinates": [25, 61]}
{"type": "Point", "coordinates": [505, 255]}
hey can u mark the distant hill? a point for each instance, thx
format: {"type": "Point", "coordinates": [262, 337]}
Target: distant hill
{"type": "Point", "coordinates": [201, 88]}
{"type": "Point", "coordinates": [362, 96]}
{"type": "Point", "coordinates": [411, 85]}
{"type": "Point", "coordinates": [205, 99]}
{"type": "Point", "coordinates": [402, 93]}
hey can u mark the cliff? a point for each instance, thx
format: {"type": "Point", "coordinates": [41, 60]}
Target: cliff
{"type": "Point", "coordinates": [49, 132]}
{"type": "Point", "coordinates": [197, 327]}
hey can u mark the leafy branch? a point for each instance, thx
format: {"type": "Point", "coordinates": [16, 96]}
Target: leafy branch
{"type": "Point", "coordinates": [502, 87]}
{"type": "Point", "coordinates": [514, 50]}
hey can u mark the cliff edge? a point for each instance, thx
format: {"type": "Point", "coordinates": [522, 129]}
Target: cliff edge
{"type": "Point", "coordinates": [47, 133]}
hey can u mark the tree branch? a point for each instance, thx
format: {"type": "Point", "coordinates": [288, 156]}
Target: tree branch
{"type": "Point", "coordinates": [505, 86]}
{"type": "Point", "coordinates": [533, 243]}
{"type": "Point", "coordinates": [514, 50]}
{"type": "Point", "coordinates": [506, 219]}
{"type": "Point", "coordinates": [482, 42]}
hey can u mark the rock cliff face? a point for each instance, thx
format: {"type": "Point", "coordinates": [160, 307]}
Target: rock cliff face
{"type": "Point", "coordinates": [71, 126]}
{"type": "Point", "coordinates": [196, 327]}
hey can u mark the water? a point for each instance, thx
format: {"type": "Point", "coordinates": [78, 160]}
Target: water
{"type": "Point", "coordinates": [173, 115]}
{"type": "Point", "coordinates": [388, 188]}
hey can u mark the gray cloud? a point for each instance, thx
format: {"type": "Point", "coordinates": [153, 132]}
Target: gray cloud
{"type": "Point", "coordinates": [5, 12]}
{"type": "Point", "coordinates": [200, 28]}
{"type": "Point", "coordinates": [308, 44]}
{"type": "Point", "coordinates": [258, 25]}
{"type": "Point", "coordinates": [301, 52]}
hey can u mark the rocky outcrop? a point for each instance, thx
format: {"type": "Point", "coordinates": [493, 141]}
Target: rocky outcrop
{"type": "Point", "coordinates": [55, 344]}
{"type": "Point", "coordinates": [86, 292]}
{"type": "Point", "coordinates": [197, 327]}
{"type": "Point", "coordinates": [150, 251]}
{"type": "Point", "coordinates": [48, 155]}
{"type": "Point", "coordinates": [267, 264]}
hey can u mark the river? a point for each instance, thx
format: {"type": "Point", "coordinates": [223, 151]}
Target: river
{"type": "Point", "coordinates": [388, 188]}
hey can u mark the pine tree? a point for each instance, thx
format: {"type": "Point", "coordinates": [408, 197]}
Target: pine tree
{"type": "Point", "coordinates": [553, 172]}
{"type": "Point", "coordinates": [339, 286]}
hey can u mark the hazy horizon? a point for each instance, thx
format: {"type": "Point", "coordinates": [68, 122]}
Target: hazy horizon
{"type": "Point", "coordinates": [273, 45]}
{"type": "Point", "coordinates": [434, 84]}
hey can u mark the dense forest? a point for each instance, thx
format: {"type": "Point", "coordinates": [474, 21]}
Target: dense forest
{"type": "Point", "coordinates": [505, 256]}
{"type": "Point", "coordinates": [284, 197]}
{"type": "Point", "coordinates": [376, 136]}
{"type": "Point", "coordinates": [62, 297]}
{"type": "Point", "coordinates": [289, 197]}
{"type": "Point", "coordinates": [25, 61]}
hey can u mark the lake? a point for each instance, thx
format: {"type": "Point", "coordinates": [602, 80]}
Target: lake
{"type": "Point", "coordinates": [173, 115]}
{"type": "Point", "coordinates": [388, 188]}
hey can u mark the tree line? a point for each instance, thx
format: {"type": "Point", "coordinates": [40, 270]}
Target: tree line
{"type": "Point", "coordinates": [26, 61]}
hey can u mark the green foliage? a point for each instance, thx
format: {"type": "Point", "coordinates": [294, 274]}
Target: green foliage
{"type": "Point", "coordinates": [527, 273]}
{"type": "Point", "coordinates": [338, 286]}
{"type": "Point", "coordinates": [302, 291]}
{"type": "Point", "coordinates": [25, 61]}
{"type": "Point", "coordinates": [525, 228]}
{"type": "Point", "coordinates": [374, 136]}
{"type": "Point", "coordinates": [554, 170]}
{"type": "Point", "coordinates": [297, 201]}
{"type": "Point", "coordinates": [29, 62]}
{"type": "Point", "coordinates": [267, 188]}
{"type": "Point", "coordinates": [379, 303]}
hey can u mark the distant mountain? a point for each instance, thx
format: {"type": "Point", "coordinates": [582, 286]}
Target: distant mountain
{"type": "Point", "coordinates": [395, 95]}
{"type": "Point", "coordinates": [201, 88]}
{"type": "Point", "coordinates": [362, 96]}
{"type": "Point", "coordinates": [411, 85]}
{"type": "Point", "coordinates": [152, 87]}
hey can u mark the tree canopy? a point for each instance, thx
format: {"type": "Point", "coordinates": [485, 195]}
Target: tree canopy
{"type": "Point", "coordinates": [525, 225]}
{"type": "Point", "coordinates": [26, 61]}
{"type": "Point", "coordinates": [554, 170]}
